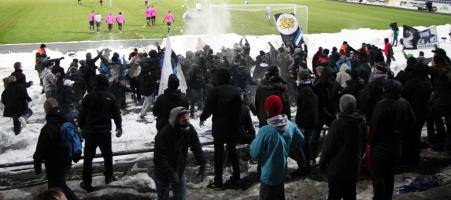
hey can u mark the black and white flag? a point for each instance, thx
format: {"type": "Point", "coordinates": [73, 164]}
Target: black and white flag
{"type": "Point", "coordinates": [289, 28]}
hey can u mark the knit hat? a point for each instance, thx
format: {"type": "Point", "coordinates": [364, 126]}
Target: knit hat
{"type": "Point", "coordinates": [173, 82]}
{"type": "Point", "coordinates": [348, 103]}
{"type": "Point", "coordinates": [273, 105]}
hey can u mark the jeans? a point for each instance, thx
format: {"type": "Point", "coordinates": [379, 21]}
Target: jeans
{"type": "Point", "coordinates": [270, 192]}
{"type": "Point", "coordinates": [92, 141]}
{"type": "Point", "coordinates": [164, 185]}
{"type": "Point", "coordinates": [148, 101]}
{"type": "Point", "coordinates": [135, 87]}
{"type": "Point", "coordinates": [441, 112]}
{"type": "Point", "coordinates": [60, 182]}
{"type": "Point", "coordinates": [307, 148]}
{"type": "Point", "coordinates": [382, 170]}
{"type": "Point", "coordinates": [16, 121]}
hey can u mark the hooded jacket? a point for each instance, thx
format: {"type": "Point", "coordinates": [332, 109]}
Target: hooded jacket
{"type": "Point", "coordinates": [171, 147]}
{"type": "Point", "coordinates": [15, 98]}
{"type": "Point", "coordinates": [344, 146]}
{"type": "Point", "coordinates": [273, 85]}
{"type": "Point", "coordinates": [50, 148]}
{"type": "Point", "coordinates": [98, 108]}
{"type": "Point", "coordinates": [48, 80]}
{"type": "Point", "coordinates": [170, 99]}
{"type": "Point", "coordinates": [224, 104]}
{"type": "Point", "coordinates": [307, 107]}
{"type": "Point", "coordinates": [272, 146]}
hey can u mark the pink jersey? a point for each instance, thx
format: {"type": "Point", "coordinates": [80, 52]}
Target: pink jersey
{"type": "Point", "coordinates": [153, 12]}
{"type": "Point", "coordinates": [149, 12]}
{"type": "Point", "coordinates": [110, 19]}
{"type": "Point", "coordinates": [169, 18]}
{"type": "Point", "coordinates": [91, 17]}
{"type": "Point", "coordinates": [120, 19]}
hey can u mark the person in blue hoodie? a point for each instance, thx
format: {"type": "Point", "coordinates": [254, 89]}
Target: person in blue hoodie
{"type": "Point", "coordinates": [343, 60]}
{"type": "Point", "coordinates": [271, 148]}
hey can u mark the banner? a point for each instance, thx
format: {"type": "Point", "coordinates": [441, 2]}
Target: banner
{"type": "Point", "coordinates": [415, 39]}
{"type": "Point", "coordinates": [289, 28]}
{"type": "Point", "coordinates": [171, 65]}
{"type": "Point", "coordinates": [428, 38]}
{"type": "Point", "coordinates": [410, 37]}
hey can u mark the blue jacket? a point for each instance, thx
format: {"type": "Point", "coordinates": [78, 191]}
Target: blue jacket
{"type": "Point", "coordinates": [272, 146]}
{"type": "Point", "coordinates": [339, 63]}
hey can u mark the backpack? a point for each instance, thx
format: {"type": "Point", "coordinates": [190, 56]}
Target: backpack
{"type": "Point", "coordinates": [72, 141]}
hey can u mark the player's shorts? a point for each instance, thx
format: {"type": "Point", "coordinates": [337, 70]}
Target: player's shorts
{"type": "Point", "coordinates": [148, 18]}
{"type": "Point", "coordinates": [98, 24]}
{"type": "Point", "coordinates": [169, 23]}
{"type": "Point", "coordinates": [91, 23]}
{"type": "Point", "coordinates": [153, 17]}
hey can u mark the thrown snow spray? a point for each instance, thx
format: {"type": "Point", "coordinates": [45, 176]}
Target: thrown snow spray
{"type": "Point", "coordinates": [206, 19]}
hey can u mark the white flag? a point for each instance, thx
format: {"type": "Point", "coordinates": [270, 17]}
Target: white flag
{"type": "Point", "coordinates": [171, 65]}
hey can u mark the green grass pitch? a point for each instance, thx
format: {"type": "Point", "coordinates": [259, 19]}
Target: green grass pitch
{"type": "Point", "coordinates": [24, 21]}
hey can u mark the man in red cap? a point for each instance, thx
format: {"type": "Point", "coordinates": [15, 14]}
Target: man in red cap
{"type": "Point", "coordinates": [272, 146]}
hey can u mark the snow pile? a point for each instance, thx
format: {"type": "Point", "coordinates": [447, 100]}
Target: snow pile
{"type": "Point", "coordinates": [138, 135]}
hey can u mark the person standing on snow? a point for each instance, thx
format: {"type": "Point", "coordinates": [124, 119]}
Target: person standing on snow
{"type": "Point", "coordinates": [171, 150]}
{"type": "Point", "coordinates": [271, 148]}
{"type": "Point", "coordinates": [97, 109]}
{"type": "Point", "coordinates": [120, 19]}
{"type": "Point", "coordinates": [171, 98]}
{"type": "Point", "coordinates": [169, 19]}
{"type": "Point", "coordinates": [391, 122]}
{"type": "Point", "coordinates": [50, 150]}
{"type": "Point", "coordinates": [110, 20]}
{"type": "Point", "coordinates": [15, 99]}
{"type": "Point", "coordinates": [224, 104]}
{"type": "Point", "coordinates": [343, 150]}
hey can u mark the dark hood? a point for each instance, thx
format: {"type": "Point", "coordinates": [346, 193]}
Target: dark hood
{"type": "Point", "coordinates": [274, 83]}
{"type": "Point", "coordinates": [55, 116]}
{"type": "Point", "coordinates": [172, 92]}
{"type": "Point", "coordinates": [350, 116]}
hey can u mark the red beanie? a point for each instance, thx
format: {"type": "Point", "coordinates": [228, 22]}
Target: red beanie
{"type": "Point", "coordinates": [273, 104]}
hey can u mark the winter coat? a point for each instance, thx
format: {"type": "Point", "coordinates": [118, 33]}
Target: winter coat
{"type": "Point", "coordinates": [391, 123]}
{"type": "Point", "coordinates": [417, 92]}
{"type": "Point", "coordinates": [241, 77]}
{"type": "Point", "coordinates": [50, 148]}
{"type": "Point", "coordinates": [284, 61]}
{"type": "Point", "coordinates": [150, 74]}
{"type": "Point", "coordinates": [343, 76]}
{"type": "Point", "coordinates": [224, 103]}
{"type": "Point", "coordinates": [97, 109]}
{"type": "Point", "coordinates": [165, 103]}
{"type": "Point", "coordinates": [353, 87]}
{"type": "Point", "coordinates": [171, 149]}
{"type": "Point", "coordinates": [307, 107]}
{"type": "Point", "coordinates": [271, 86]}
{"type": "Point", "coordinates": [15, 98]}
{"type": "Point", "coordinates": [344, 147]}
{"type": "Point", "coordinates": [339, 64]}
{"type": "Point", "coordinates": [326, 105]}
{"type": "Point", "coordinates": [48, 80]}
{"type": "Point", "coordinates": [67, 101]}
{"type": "Point", "coordinates": [20, 78]}
{"type": "Point", "coordinates": [272, 146]}
{"type": "Point", "coordinates": [442, 85]}
{"type": "Point", "coordinates": [369, 97]}
{"type": "Point", "coordinates": [134, 69]}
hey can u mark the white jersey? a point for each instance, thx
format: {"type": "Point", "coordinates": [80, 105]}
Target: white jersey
{"type": "Point", "coordinates": [98, 18]}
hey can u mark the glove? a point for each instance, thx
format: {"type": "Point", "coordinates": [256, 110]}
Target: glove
{"type": "Point", "coordinates": [118, 133]}
{"type": "Point", "coordinates": [201, 123]}
{"type": "Point", "coordinates": [175, 178]}
{"type": "Point", "coordinates": [37, 167]}
{"type": "Point", "coordinates": [201, 173]}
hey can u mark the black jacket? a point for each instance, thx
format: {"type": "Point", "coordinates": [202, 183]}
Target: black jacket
{"type": "Point", "coordinates": [246, 131]}
{"type": "Point", "coordinates": [392, 121]}
{"type": "Point", "coordinates": [20, 78]}
{"type": "Point", "coordinates": [15, 98]}
{"type": "Point", "coordinates": [165, 103]}
{"type": "Point", "coordinates": [325, 91]}
{"type": "Point", "coordinates": [224, 103]}
{"type": "Point", "coordinates": [97, 110]}
{"type": "Point", "coordinates": [344, 146]}
{"type": "Point", "coordinates": [369, 97]}
{"type": "Point", "coordinates": [50, 147]}
{"type": "Point", "coordinates": [271, 86]}
{"type": "Point", "coordinates": [307, 107]}
{"type": "Point", "coordinates": [171, 149]}
{"type": "Point", "coordinates": [418, 92]}
{"type": "Point", "coordinates": [442, 85]}
{"type": "Point", "coordinates": [150, 74]}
